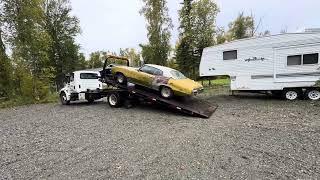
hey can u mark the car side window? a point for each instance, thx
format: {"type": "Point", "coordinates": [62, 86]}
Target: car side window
{"type": "Point", "coordinates": [158, 72]}
{"type": "Point", "coordinates": [147, 69]}
{"type": "Point", "coordinates": [151, 70]}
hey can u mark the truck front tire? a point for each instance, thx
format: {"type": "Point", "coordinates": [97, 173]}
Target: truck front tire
{"type": "Point", "coordinates": [63, 99]}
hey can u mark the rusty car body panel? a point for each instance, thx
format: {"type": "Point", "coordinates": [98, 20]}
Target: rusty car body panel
{"type": "Point", "coordinates": [180, 87]}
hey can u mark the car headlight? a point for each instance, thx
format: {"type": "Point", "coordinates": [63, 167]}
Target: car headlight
{"type": "Point", "coordinates": [197, 91]}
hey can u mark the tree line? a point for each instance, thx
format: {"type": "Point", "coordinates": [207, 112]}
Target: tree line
{"type": "Point", "coordinates": [197, 30]}
{"type": "Point", "coordinates": [40, 37]}
{"type": "Point", "coordinates": [38, 48]}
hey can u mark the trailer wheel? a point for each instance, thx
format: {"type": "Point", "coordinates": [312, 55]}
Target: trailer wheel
{"type": "Point", "coordinates": [291, 94]}
{"type": "Point", "coordinates": [313, 94]}
{"type": "Point", "coordinates": [114, 100]}
{"type": "Point", "coordinates": [63, 99]}
{"type": "Point", "coordinates": [120, 78]}
{"type": "Point", "coordinates": [90, 101]}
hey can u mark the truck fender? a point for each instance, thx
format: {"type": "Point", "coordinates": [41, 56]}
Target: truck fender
{"type": "Point", "coordinates": [67, 92]}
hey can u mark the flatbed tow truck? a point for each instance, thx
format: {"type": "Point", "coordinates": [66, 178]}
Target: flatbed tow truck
{"type": "Point", "coordinates": [130, 95]}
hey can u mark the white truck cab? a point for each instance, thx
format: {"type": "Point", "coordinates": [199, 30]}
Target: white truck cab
{"type": "Point", "coordinates": [78, 86]}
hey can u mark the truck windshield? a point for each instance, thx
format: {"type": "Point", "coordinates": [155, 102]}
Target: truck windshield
{"type": "Point", "coordinates": [177, 75]}
{"type": "Point", "coordinates": [88, 76]}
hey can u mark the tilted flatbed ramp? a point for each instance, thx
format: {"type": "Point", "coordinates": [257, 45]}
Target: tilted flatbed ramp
{"type": "Point", "coordinates": [192, 106]}
{"type": "Point", "coordinates": [189, 105]}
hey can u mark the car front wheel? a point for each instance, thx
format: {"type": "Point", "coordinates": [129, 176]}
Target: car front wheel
{"type": "Point", "coordinates": [166, 92]}
{"type": "Point", "coordinates": [121, 79]}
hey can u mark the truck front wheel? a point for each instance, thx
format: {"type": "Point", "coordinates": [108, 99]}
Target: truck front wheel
{"type": "Point", "coordinates": [64, 100]}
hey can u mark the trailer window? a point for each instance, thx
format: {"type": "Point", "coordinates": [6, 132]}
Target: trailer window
{"type": "Point", "coordinates": [88, 76]}
{"type": "Point", "coordinates": [294, 60]}
{"type": "Point", "coordinates": [230, 55]}
{"type": "Point", "coordinates": [311, 58]}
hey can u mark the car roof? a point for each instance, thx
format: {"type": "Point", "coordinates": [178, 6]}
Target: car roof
{"type": "Point", "coordinates": [162, 68]}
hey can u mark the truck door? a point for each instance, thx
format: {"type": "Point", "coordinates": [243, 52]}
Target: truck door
{"type": "Point", "coordinates": [71, 84]}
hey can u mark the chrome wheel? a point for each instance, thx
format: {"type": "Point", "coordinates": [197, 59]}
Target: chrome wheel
{"type": "Point", "coordinates": [291, 95]}
{"type": "Point", "coordinates": [64, 99]}
{"type": "Point", "coordinates": [313, 95]}
{"type": "Point", "coordinates": [166, 92]}
{"type": "Point", "coordinates": [121, 79]}
{"type": "Point", "coordinates": [113, 100]}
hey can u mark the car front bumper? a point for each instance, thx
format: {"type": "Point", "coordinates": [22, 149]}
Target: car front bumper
{"type": "Point", "coordinates": [195, 92]}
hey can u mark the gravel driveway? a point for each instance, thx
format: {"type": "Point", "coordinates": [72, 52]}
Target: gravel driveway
{"type": "Point", "coordinates": [252, 137]}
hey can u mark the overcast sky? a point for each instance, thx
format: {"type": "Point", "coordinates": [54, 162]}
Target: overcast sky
{"type": "Point", "coordinates": [114, 24]}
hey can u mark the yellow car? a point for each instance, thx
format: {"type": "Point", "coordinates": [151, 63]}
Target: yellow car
{"type": "Point", "coordinates": [167, 81]}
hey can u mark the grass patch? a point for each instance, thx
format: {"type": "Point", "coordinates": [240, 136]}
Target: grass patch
{"type": "Point", "coordinates": [216, 82]}
{"type": "Point", "coordinates": [21, 101]}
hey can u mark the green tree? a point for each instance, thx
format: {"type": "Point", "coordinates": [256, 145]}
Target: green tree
{"type": "Point", "coordinates": [185, 46]}
{"type": "Point", "coordinates": [5, 70]}
{"type": "Point", "coordinates": [242, 27]}
{"type": "Point", "coordinates": [29, 41]}
{"type": "Point", "coordinates": [96, 60]}
{"type": "Point", "coordinates": [133, 56]}
{"type": "Point", "coordinates": [197, 31]}
{"type": "Point", "coordinates": [5, 65]}
{"type": "Point", "coordinates": [205, 14]}
{"type": "Point", "coordinates": [158, 26]}
{"type": "Point", "coordinates": [83, 64]}
{"type": "Point", "coordinates": [221, 36]}
{"type": "Point", "coordinates": [62, 28]}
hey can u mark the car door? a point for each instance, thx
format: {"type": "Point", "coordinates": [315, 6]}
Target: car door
{"type": "Point", "coordinates": [145, 76]}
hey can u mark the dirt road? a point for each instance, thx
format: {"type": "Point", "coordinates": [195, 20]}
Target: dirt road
{"type": "Point", "coordinates": [251, 137]}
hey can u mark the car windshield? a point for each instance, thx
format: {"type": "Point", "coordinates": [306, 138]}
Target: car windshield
{"type": "Point", "coordinates": [177, 75]}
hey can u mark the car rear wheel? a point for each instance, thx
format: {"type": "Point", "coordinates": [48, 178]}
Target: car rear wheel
{"type": "Point", "coordinates": [166, 92]}
{"type": "Point", "coordinates": [120, 78]}
{"type": "Point", "coordinates": [63, 99]}
{"type": "Point", "coordinates": [313, 94]}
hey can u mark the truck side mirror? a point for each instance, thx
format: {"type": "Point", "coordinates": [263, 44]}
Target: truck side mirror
{"type": "Point", "coordinates": [68, 78]}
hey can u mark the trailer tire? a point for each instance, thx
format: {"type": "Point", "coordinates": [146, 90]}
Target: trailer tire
{"type": "Point", "coordinates": [63, 99]}
{"type": "Point", "coordinates": [90, 101]}
{"type": "Point", "coordinates": [121, 78]}
{"type": "Point", "coordinates": [291, 94]}
{"type": "Point", "coordinates": [114, 100]}
{"type": "Point", "coordinates": [313, 94]}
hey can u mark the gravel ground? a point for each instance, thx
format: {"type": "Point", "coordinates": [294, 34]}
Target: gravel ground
{"type": "Point", "coordinates": [249, 137]}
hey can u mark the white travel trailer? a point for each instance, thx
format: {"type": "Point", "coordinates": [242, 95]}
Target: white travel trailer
{"type": "Point", "coordinates": [285, 63]}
